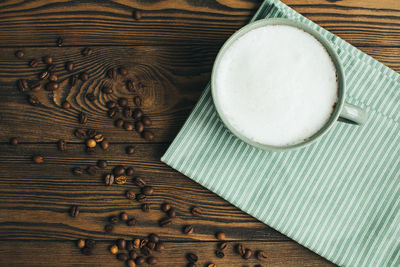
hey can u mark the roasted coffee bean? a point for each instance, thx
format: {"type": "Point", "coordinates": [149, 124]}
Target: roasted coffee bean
{"type": "Point", "coordinates": [137, 14]}
{"type": "Point", "coordinates": [140, 182]}
{"type": "Point", "coordinates": [148, 135]}
{"type": "Point", "coordinates": [129, 171]}
{"type": "Point", "coordinates": [130, 194]}
{"type": "Point", "coordinates": [160, 247]}
{"type": "Point", "coordinates": [220, 236]}
{"type": "Point", "coordinates": [98, 138]}
{"type": "Point", "coordinates": [122, 256]}
{"type": "Point", "coordinates": [80, 133]}
{"type": "Point", "coordinates": [44, 75]}
{"type": "Point", "coordinates": [90, 243]}
{"type": "Point", "coordinates": [128, 126]}
{"type": "Point", "coordinates": [69, 66]}
{"type": "Point", "coordinates": [80, 243]}
{"type": "Point", "coordinates": [62, 145]}
{"type": "Point", "coordinates": [52, 86]}
{"type": "Point", "coordinates": [165, 207]}
{"type": "Point", "coordinates": [146, 121]}
{"type": "Point", "coordinates": [139, 127]}
{"type": "Point", "coordinates": [19, 54]}
{"type": "Point", "coordinates": [113, 219]}
{"type": "Point", "coordinates": [35, 86]}
{"type": "Point", "coordinates": [127, 112]}
{"type": "Point", "coordinates": [83, 118]}
{"type": "Point", "coordinates": [131, 222]}
{"type": "Point", "coordinates": [107, 89]}
{"type": "Point", "coordinates": [111, 104]}
{"type": "Point", "coordinates": [188, 229]}
{"type": "Point", "coordinates": [222, 245]}
{"type": "Point", "coordinates": [119, 170]}
{"type": "Point", "coordinates": [112, 113]}
{"type": "Point", "coordinates": [74, 211]}
{"type": "Point", "coordinates": [143, 243]}
{"type": "Point", "coordinates": [141, 197]}
{"type": "Point", "coordinates": [112, 73]}
{"type": "Point", "coordinates": [73, 79]}
{"type": "Point", "coordinates": [105, 144]}
{"type": "Point", "coordinates": [154, 238]}
{"type": "Point", "coordinates": [87, 51]}
{"type": "Point", "coordinates": [33, 100]}
{"type": "Point", "coordinates": [37, 159]}
{"type": "Point", "coordinates": [47, 60]}
{"type": "Point", "coordinates": [165, 221]}
{"type": "Point", "coordinates": [247, 254]}
{"type": "Point", "coordinates": [240, 249]}
{"type": "Point", "coordinates": [191, 257]}
{"type": "Point", "coordinates": [123, 216]}
{"type": "Point", "coordinates": [133, 254]}
{"type": "Point", "coordinates": [261, 255]}
{"type": "Point", "coordinates": [91, 143]}
{"type": "Point", "coordinates": [130, 85]}
{"type": "Point", "coordinates": [53, 77]}
{"type": "Point", "coordinates": [34, 63]}
{"type": "Point", "coordinates": [130, 263]}
{"type": "Point", "coordinates": [196, 211]}
{"type": "Point", "coordinates": [113, 249]}
{"type": "Point", "coordinates": [211, 265]}
{"type": "Point", "coordinates": [219, 253]}
{"type": "Point", "coordinates": [136, 243]}
{"type": "Point", "coordinates": [123, 71]}
{"type": "Point", "coordinates": [77, 171]}
{"type": "Point", "coordinates": [91, 97]}
{"type": "Point", "coordinates": [102, 163]}
{"type": "Point", "coordinates": [137, 100]}
{"type": "Point", "coordinates": [171, 213]}
{"type": "Point", "coordinates": [14, 141]}
{"type": "Point", "coordinates": [137, 113]}
{"type": "Point", "coordinates": [146, 251]}
{"type": "Point", "coordinates": [66, 105]}
{"type": "Point", "coordinates": [140, 260]}
{"type": "Point", "coordinates": [130, 150]}
{"type": "Point", "coordinates": [108, 228]}
{"type": "Point", "coordinates": [22, 85]}
{"type": "Point", "coordinates": [145, 207]}
{"type": "Point", "coordinates": [121, 243]}
{"type": "Point", "coordinates": [86, 251]}
{"type": "Point", "coordinates": [119, 123]}
{"type": "Point", "coordinates": [90, 150]}
{"type": "Point", "coordinates": [109, 179]}
{"type": "Point", "coordinates": [120, 180]}
{"type": "Point", "coordinates": [123, 101]}
{"type": "Point", "coordinates": [51, 68]}
{"type": "Point", "coordinates": [92, 170]}
{"type": "Point", "coordinates": [147, 190]}
{"type": "Point", "coordinates": [151, 260]}
{"type": "Point", "coordinates": [84, 76]}
{"type": "Point", "coordinates": [60, 41]}
{"type": "Point", "coordinates": [129, 245]}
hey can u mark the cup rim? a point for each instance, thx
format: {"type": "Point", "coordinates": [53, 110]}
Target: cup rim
{"type": "Point", "coordinates": [339, 75]}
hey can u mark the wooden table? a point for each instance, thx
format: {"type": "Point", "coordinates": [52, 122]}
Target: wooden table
{"type": "Point", "coordinates": [171, 51]}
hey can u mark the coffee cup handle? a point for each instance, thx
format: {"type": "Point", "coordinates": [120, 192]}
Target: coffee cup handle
{"type": "Point", "coordinates": [353, 114]}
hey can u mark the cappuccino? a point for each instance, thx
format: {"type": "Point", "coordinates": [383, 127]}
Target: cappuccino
{"type": "Point", "coordinates": [276, 85]}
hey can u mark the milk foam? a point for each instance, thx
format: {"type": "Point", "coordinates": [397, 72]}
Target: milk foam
{"type": "Point", "coordinates": [277, 85]}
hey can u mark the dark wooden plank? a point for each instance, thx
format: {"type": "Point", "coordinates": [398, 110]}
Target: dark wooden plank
{"type": "Point", "coordinates": [13, 253]}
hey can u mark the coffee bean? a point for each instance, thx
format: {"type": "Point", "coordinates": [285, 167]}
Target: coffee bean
{"type": "Point", "coordinates": [123, 216]}
{"type": "Point", "coordinates": [130, 263]}
{"type": "Point", "coordinates": [66, 105]}
{"type": "Point", "coordinates": [136, 243]}
{"type": "Point", "coordinates": [123, 71]}
{"type": "Point", "coordinates": [196, 211]}
{"type": "Point", "coordinates": [91, 133]}
{"type": "Point", "coordinates": [146, 121]}
{"type": "Point", "coordinates": [34, 63]}
{"type": "Point", "coordinates": [62, 145]}
{"type": "Point", "coordinates": [86, 251]}
{"type": "Point", "coordinates": [52, 86]}
{"type": "Point", "coordinates": [151, 260]}
{"type": "Point", "coordinates": [128, 126]}
{"type": "Point", "coordinates": [80, 133]}
{"type": "Point", "coordinates": [145, 207]}
{"type": "Point", "coordinates": [60, 41]}
{"type": "Point", "coordinates": [131, 222]}
{"type": "Point", "coordinates": [102, 164]}
{"type": "Point", "coordinates": [112, 73]}
{"type": "Point", "coordinates": [137, 14]}
{"type": "Point", "coordinates": [122, 256]}
{"type": "Point", "coordinates": [119, 170]}
{"type": "Point", "coordinates": [130, 150]}
{"type": "Point", "coordinates": [130, 194]}
{"type": "Point", "coordinates": [105, 144]}
{"type": "Point", "coordinates": [130, 85]}
{"type": "Point", "coordinates": [91, 143]}
{"type": "Point", "coordinates": [84, 76]}
{"type": "Point", "coordinates": [53, 77]}
{"type": "Point", "coordinates": [80, 243]}
{"type": "Point", "coordinates": [140, 182]}
{"type": "Point", "coordinates": [83, 118]}
{"type": "Point", "coordinates": [211, 265]}
{"type": "Point", "coordinates": [188, 229]}
{"type": "Point", "coordinates": [35, 86]}
{"type": "Point", "coordinates": [127, 112]}
{"type": "Point", "coordinates": [91, 97]}
{"type": "Point", "coordinates": [133, 254]}
{"type": "Point", "coordinates": [77, 171]}
{"type": "Point", "coordinates": [160, 247]}
{"type": "Point", "coordinates": [108, 228]}
{"type": "Point", "coordinates": [73, 79]}
{"type": "Point", "coordinates": [129, 171]}
{"type": "Point", "coordinates": [171, 213]}
{"type": "Point", "coordinates": [220, 236]}
{"type": "Point", "coordinates": [139, 127]}
{"type": "Point", "coordinates": [146, 251]}
{"type": "Point", "coordinates": [148, 190]}
{"type": "Point", "coordinates": [137, 113]}
{"type": "Point", "coordinates": [98, 138]}
{"type": "Point", "coordinates": [165, 221]}
{"type": "Point", "coordinates": [247, 254]}
{"type": "Point", "coordinates": [121, 243]}
{"type": "Point", "coordinates": [129, 245]}
{"type": "Point", "coordinates": [37, 159]}
{"type": "Point", "coordinates": [123, 101]}
{"type": "Point", "coordinates": [33, 100]}
{"type": "Point", "coordinates": [119, 123]}
{"type": "Point", "coordinates": [120, 180]}
{"type": "Point", "coordinates": [141, 197]}
{"type": "Point", "coordinates": [261, 255]}
{"type": "Point", "coordinates": [90, 243]}
{"type": "Point", "coordinates": [109, 179]}
{"type": "Point", "coordinates": [44, 75]}
{"type": "Point", "coordinates": [113, 219]}
{"type": "Point", "coordinates": [19, 54]}
{"type": "Point", "coordinates": [137, 100]}
{"type": "Point", "coordinates": [90, 150]}
{"type": "Point", "coordinates": [51, 68]}
{"type": "Point", "coordinates": [69, 66]}
{"type": "Point", "coordinates": [74, 211]}
{"type": "Point", "coordinates": [22, 85]}
{"type": "Point", "coordinates": [14, 141]}
{"type": "Point", "coordinates": [154, 238]}
{"type": "Point", "coordinates": [47, 60]}
{"type": "Point", "coordinates": [143, 243]}
{"type": "Point", "coordinates": [148, 135]}
{"type": "Point", "coordinates": [112, 113]}
{"type": "Point", "coordinates": [165, 207]}
{"type": "Point", "coordinates": [240, 249]}
{"type": "Point", "coordinates": [222, 245]}
{"type": "Point", "coordinates": [87, 51]}
{"type": "Point", "coordinates": [107, 89]}
{"type": "Point", "coordinates": [113, 249]}
{"type": "Point", "coordinates": [191, 257]}
{"type": "Point", "coordinates": [140, 260]}
{"type": "Point", "coordinates": [219, 253]}
{"type": "Point", "coordinates": [92, 170]}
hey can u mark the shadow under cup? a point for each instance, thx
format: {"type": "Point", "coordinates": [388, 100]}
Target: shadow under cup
{"type": "Point", "coordinates": [346, 112]}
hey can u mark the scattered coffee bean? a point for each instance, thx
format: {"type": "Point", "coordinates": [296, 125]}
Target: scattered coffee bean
{"type": "Point", "coordinates": [102, 164]}
{"type": "Point", "coordinates": [119, 123]}
{"type": "Point", "coordinates": [86, 251]}
{"type": "Point", "coordinates": [128, 126]}
{"type": "Point", "coordinates": [129, 245]}
{"type": "Point", "coordinates": [105, 144]}
{"type": "Point", "coordinates": [80, 243]}
{"type": "Point", "coordinates": [60, 41]}
{"type": "Point", "coordinates": [123, 101]}
{"type": "Point", "coordinates": [122, 256]}
{"type": "Point", "coordinates": [146, 251]}
{"type": "Point", "coordinates": [73, 79]}
{"type": "Point", "coordinates": [143, 243]}
{"type": "Point", "coordinates": [112, 73]}
{"type": "Point", "coordinates": [151, 260]}
{"type": "Point", "coordinates": [77, 171]}
{"type": "Point", "coordinates": [83, 118]}
{"type": "Point", "coordinates": [165, 221]}
{"type": "Point", "coordinates": [261, 255]}
{"type": "Point", "coordinates": [52, 86]}
{"type": "Point", "coordinates": [33, 100]}
{"type": "Point", "coordinates": [139, 127]}
{"type": "Point", "coordinates": [222, 245]}
{"type": "Point", "coordinates": [211, 265]}
{"type": "Point", "coordinates": [137, 100]}
{"type": "Point", "coordinates": [14, 141]}
{"type": "Point", "coordinates": [131, 222]}
{"type": "Point", "coordinates": [69, 66]}
{"type": "Point", "coordinates": [145, 207]}
{"type": "Point", "coordinates": [112, 113]}
{"type": "Point", "coordinates": [137, 15]}
{"type": "Point", "coordinates": [247, 254]}
{"type": "Point", "coordinates": [130, 85]}
{"type": "Point", "coordinates": [136, 243]}
{"type": "Point", "coordinates": [130, 194]}
{"type": "Point", "coordinates": [133, 254]}
{"type": "Point", "coordinates": [121, 243]}
{"type": "Point", "coordinates": [107, 89]}
{"type": "Point", "coordinates": [196, 211]}
{"type": "Point", "coordinates": [120, 180]}
{"type": "Point", "coordinates": [66, 105]}
{"type": "Point", "coordinates": [87, 51]}
{"type": "Point", "coordinates": [165, 207]}
{"type": "Point", "coordinates": [146, 121]}
{"type": "Point", "coordinates": [90, 150]}
{"type": "Point", "coordinates": [111, 104]}
{"type": "Point", "coordinates": [37, 159]}
{"type": "Point", "coordinates": [188, 229]}
{"type": "Point", "coordinates": [90, 243]}
{"type": "Point", "coordinates": [141, 197]}
{"type": "Point", "coordinates": [98, 138]}
{"type": "Point", "coordinates": [123, 71]}
{"type": "Point", "coordinates": [191, 257]}
{"type": "Point", "coordinates": [160, 247]}
{"type": "Point", "coordinates": [44, 75]}
{"type": "Point", "coordinates": [34, 63]}
{"type": "Point", "coordinates": [119, 170]}
{"type": "Point", "coordinates": [130, 263]}
{"type": "Point", "coordinates": [62, 145]}
{"type": "Point", "coordinates": [147, 190]}
{"type": "Point", "coordinates": [91, 143]}
{"type": "Point", "coordinates": [137, 113]}
{"type": "Point", "coordinates": [74, 211]}
{"type": "Point", "coordinates": [140, 182]}
{"type": "Point", "coordinates": [109, 228]}
{"type": "Point", "coordinates": [240, 249]}
{"type": "Point", "coordinates": [84, 76]}
{"type": "Point", "coordinates": [91, 97]}
{"type": "Point", "coordinates": [154, 238]}
{"type": "Point", "coordinates": [123, 216]}
{"type": "Point", "coordinates": [127, 112]}
{"type": "Point", "coordinates": [47, 60]}
{"type": "Point", "coordinates": [114, 249]}
{"type": "Point", "coordinates": [171, 213]}
{"type": "Point", "coordinates": [219, 253]}
{"type": "Point", "coordinates": [148, 135]}
{"type": "Point", "coordinates": [35, 86]}
{"type": "Point", "coordinates": [19, 54]}
{"type": "Point", "coordinates": [151, 245]}
{"type": "Point", "coordinates": [140, 260]}
{"type": "Point", "coordinates": [220, 236]}
{"type": "Point", "coordinates": [129, 171]}
{"type": "Point", "coordinates": [92, 170]}
{"type": "Point", "coordinates": [22, 85]}
{"type": "Point", "coordinates": [51, 68]}
{"type": "Point", "coordinates": [113, 220]}
{"type": "Point", "coordinates": [53, 77]}
{"type": "Point", "coordinates": [80, 133]}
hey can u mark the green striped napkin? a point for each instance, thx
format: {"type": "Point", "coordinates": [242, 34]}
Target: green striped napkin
{"type": "Point", "coordinates": [339, 197]}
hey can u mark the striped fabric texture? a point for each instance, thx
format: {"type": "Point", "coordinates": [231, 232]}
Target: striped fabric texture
{"type": "Point", "coordinates": [340, 196]}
